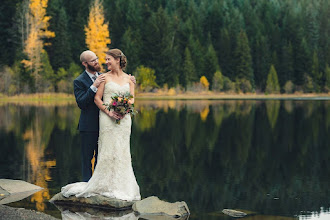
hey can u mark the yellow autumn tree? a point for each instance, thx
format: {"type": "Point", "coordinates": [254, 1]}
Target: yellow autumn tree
{"type": "Point", "coordinates": [37, 30]}
{"type": "Point", "coordinates": [97, 32]}
{"type": "Point", "coordinates": [203, 80]}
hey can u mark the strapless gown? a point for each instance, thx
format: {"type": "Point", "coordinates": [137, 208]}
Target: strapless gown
{"type": "Point", "coordinates": [113, 176]}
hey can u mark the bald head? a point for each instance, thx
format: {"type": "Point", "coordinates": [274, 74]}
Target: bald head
{"type": "Point", "coordinates": [87, 55]}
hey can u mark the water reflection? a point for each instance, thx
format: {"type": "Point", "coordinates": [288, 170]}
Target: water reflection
{"type": "Point", "coordinates": [271, 157]}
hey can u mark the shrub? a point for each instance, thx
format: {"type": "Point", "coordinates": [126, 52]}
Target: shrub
{"type": "Point", "coordinates": [288, 87]}
{"type": "Point", "coordinates": [145, 78]}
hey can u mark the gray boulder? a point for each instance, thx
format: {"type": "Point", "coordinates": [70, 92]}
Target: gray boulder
{"type": "Point", "coordinates": [234, 213]}
{"type": "Point", "coordinates": [15, 190]}
{"type": "Point", "coordinates": [93, 201]}
{"type": "Point", "coordinates": [154, 208]}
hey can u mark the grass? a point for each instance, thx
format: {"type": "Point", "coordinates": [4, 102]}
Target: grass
{"type": "Point", "coordinates": [63, 97]}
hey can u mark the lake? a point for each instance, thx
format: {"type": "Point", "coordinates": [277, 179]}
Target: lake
{"type": "Point", "coordinates": [269, 157]}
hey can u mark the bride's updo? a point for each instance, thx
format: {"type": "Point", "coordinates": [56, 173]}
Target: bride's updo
{"type": "Point", "coordinates": [117, 54]}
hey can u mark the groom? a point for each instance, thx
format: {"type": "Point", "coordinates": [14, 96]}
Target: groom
{"type": "Point", "coordinates": [85, 88]}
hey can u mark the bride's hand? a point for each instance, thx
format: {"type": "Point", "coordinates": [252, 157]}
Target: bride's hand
{"type": "Point", "coordinates": [114, 115]}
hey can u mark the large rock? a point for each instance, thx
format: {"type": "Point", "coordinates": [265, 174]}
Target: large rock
{"type": "Point", "coordinates": [93, 201]}
{"type": "Point", "coordinates": [154, 208]}
{"type": "Point", "coordinates": [234, 213]}
{"type": "Point", "coordinates": [15, 190]}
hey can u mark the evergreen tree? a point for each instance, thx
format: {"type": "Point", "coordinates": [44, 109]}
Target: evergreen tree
{"type": "Point", "coordinates": [302, 63]}
{"type": "Point", "coordinates": [131, 46]}
{"type": "Point", "coordinates": [324, 34]}
{"type": "Point", "coordinates": [261, 60]}
{"type": "Point", "coordinates": [189, 73]}
{"type": "Point", "coordinates": [48, 82]}
{"type": "Point", "coordinates": [272, 85]}
{"type": "Point", "coordinates": [315, 73]}
{"type": "Point", "coordinates": [243, 59]}
{"type": "Point", "coordinates": [59, 49]}
{"type": "Point", "coordinates": [286, 67]}
{"type": "Point", "coordinates": [312, 25]}
{"type": "Point", "coordinates": [327, 78]}
{"type": "Point", "coordinates": [211, 63]}
{"type": "Point", "coordinates": [225, 53]}
{"type": "Point", "coordinates": [159, 50]}
{"type": "Point", "coordinates": [198, 55]}
{"type": "Point", "coordinates": [77, 20]}
{"type": "Point", "coordinates": [7, 45]}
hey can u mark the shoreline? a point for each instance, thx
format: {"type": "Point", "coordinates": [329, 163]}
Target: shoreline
{"type": "Point", "coordinates": [61, 97]}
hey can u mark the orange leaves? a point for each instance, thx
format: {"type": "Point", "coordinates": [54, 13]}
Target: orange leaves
{"type": "Point", "coordinates": [97, 33]}
{"type": "Point", "coordinates": [38, 24]}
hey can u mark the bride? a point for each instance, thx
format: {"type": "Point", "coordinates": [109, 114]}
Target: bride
{"type": "Point", "coordinates": [113, 176]}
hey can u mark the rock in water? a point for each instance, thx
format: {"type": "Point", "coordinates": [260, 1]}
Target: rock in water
{"type": "Point", "coordinates": [153, 206]}
{"type": "Point", "coordinates": [93, 201]}
{"type": "Point", "coordinates": [17, 186]}
{"type": "Point", "coordinates": [234, 213]}
{"type": "Point", "coordinates": [15, 190]}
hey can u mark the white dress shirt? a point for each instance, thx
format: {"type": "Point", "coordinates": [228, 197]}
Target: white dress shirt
{"type": "Point", "coordinates": [91, 75]}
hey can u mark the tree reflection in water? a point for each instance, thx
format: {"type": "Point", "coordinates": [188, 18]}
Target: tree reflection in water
{"type": "Point", "coordinates": [271, 157]}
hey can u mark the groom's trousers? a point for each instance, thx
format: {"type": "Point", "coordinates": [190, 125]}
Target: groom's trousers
{"type": "Point", "coordinates": [88, 147]}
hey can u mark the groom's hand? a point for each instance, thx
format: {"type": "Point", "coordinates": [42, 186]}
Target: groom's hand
{"type": "Point", "coordinates": [99, 80]}
{"type": "Point", "coordinates": [132, 78]}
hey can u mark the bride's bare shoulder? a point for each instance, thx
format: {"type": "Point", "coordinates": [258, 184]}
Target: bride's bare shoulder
{"type": "Point", "coordinates": [126, 76]}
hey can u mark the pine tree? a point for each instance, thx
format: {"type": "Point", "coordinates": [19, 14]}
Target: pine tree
{"type": "Point", "coordinates": [7, 44]}
{"type": "Point", "coordinates": [261, 61]}
{"type": "Point", "coordinates": [286, 71]}
{"type": "Point", "coordinates": [59, 50]}
{"type": "Point", "coordinates": [327, 78]}
{"type": "Point", "coordinates": [131, 46]}
{"type": "Point", "coordinates": [225, 52]}
{"type": "Point", "coordinates": [243, 59]}
{"type": "Point", "coordinates": [302, 62]}
{"type": "Point", "coordinates": [272, 85]}
{"type": "Point", "coordinates": [48, 84]}
{"type": "Point", "coordinates": [315, 73]}
{"type": "Point", "coordinates": [189, 73]}
{"type": "Point", "coordinates": [76, 11]}
{"type": "Point", "coordinates": [197, 55]}
{"type": "Point", "coordinates": [97, 32]}
{"type": "Point", "coordinates": [160, 53]}
{"type": "Point", "coordinates": [211, 64]}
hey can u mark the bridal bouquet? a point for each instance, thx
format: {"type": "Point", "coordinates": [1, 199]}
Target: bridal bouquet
{"type": "Point", "coordinates": [119, 104]}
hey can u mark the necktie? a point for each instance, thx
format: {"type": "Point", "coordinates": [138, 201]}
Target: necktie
{"type": "Point", "coordinates": [94, 78]}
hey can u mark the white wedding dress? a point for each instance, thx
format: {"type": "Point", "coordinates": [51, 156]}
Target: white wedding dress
{"type": "Point", "coordinates": [113, 176]}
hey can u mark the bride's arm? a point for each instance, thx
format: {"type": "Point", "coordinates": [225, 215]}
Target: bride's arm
{"type": "Point", "coordinates": [99, 103]}
{"type": "Point", "coordinates": [131, 87]}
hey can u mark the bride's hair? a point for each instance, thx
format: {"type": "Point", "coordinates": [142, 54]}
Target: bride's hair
{"type": "Point", "coordinates": [118, 54]}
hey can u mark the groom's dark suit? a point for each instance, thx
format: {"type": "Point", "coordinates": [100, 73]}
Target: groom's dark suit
{"type": "Point", "coordinates": [88, 122]}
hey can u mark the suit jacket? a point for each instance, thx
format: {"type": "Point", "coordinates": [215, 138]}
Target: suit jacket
{"type": "Point", "coordinates": [89, 115]}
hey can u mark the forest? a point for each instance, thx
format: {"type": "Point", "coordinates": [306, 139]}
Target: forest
{"type": "Point", "coordinates": [236, 46]}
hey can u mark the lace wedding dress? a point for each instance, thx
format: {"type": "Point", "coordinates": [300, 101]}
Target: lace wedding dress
{"type": "Point", "coordinates": [113, 176]}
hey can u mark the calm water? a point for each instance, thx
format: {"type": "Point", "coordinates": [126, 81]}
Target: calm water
{"type": "Point", "coordinates": [269, 157]}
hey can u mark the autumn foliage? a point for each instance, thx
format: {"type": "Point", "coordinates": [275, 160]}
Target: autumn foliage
{"type": "Point", "coordinates": [97, 31]}
{"type": "Point", "coordinates": [38, 24]}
